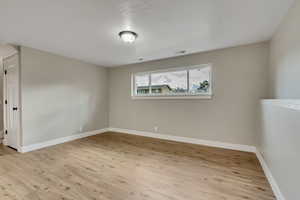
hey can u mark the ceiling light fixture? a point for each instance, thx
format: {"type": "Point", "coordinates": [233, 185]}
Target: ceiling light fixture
{"type": "Point", "coordinates": [128, 36]}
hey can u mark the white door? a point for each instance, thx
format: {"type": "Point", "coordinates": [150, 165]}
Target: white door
{"type": "Point", "coordinates": [11, 101]}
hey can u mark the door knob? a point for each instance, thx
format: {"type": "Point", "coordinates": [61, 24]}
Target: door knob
{"type": "Point", "coordinates": [15, 108]}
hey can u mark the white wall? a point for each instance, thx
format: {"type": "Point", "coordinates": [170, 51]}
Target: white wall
{"type": "Point", "coordinates": [240, 78]}
{"type": "Point", "coordinates": [285, 57]}
{"type": "Point", "coordinates": [60, 96]}
{"type": "Point", "coordinates": [280, 143]}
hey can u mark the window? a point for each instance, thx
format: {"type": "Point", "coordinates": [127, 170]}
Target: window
{"type": "Point", "coordinates": [186, 82]}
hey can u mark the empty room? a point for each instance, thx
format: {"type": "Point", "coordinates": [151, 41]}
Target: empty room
{"type": "Point", "coordinates": [149, 100]}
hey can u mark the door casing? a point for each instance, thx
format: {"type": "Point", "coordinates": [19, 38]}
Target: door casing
{"type": "Point", "coordinates": [5, 107]}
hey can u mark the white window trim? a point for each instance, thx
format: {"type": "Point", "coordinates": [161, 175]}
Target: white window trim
{"type": "Point", "coordinates": [172, 96]}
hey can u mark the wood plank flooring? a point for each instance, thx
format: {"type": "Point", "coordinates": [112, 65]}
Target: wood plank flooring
{"type": "Point", "coordinates": [114, 166]}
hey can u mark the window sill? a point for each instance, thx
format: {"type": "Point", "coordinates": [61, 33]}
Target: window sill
{"type": "Point", "coordinates": [173, 97]}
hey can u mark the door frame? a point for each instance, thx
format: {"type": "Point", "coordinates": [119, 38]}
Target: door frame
{"type": "Point", "coordinates": [5, 107]}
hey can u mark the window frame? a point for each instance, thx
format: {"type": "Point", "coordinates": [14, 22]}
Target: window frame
{"type": "Point", "coordinates": [187, 95]}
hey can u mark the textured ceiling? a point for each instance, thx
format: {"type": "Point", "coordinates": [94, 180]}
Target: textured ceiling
{"type": "Point", "coordinates": [88, 29]}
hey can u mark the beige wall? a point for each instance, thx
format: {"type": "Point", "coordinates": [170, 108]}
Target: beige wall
{"type": "Point", "coordinates": [60, 96]}
{"type": "Point", "coordinates": [240, 76]}
{"type": "Point", "coordinates": [285, 57]}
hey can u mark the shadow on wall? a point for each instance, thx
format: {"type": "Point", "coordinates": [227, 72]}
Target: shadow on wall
{"type": "Point", "coordinates": [68, 97]}
{"type": "Point", "coordinates": [72, 110]}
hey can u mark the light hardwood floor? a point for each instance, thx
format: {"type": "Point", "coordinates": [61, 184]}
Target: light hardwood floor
{"type": "Point", "coordinates": [114, 166]}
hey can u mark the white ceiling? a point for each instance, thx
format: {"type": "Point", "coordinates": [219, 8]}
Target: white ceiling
{"type": "Point", "coordinates": [88, 29]}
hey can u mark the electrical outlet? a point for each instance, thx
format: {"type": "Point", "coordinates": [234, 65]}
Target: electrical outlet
{"type": "Point", "coordinates": [80, 129]}
{"type": "Point", "coordinates": [156, 129]}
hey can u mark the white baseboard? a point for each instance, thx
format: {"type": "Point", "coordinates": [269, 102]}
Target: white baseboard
{"type": "Point", "coordinates": [41, 145]}
{"type": "Point", "coordinates": [239, 147]}
{"type": "Point", "coordinates": [268, 173]}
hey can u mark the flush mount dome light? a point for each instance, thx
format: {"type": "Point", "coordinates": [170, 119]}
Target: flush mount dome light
{"type": "Point", "coordinates": [128, 36]}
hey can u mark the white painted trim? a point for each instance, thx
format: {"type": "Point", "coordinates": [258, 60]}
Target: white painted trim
{"type": "Point", "coordinates": [41, 145]}
{"type": "Point", "coordinates": [172, 97]}
{"type": "Point", "coordinates": [172, 69]}
{"type": "Point", "coordinates": [239, 147]}
{"type": "Point", "coordinates": [293, 104]}
{"type": "Point", "coordinates": [3, 103]}
{"type": "Point", "coordinates": [4, 142]}
{"type": "Point", "coordinates": [1, 136]}
{"type": "Point", "coordinates": [186, 95]}
{"type": "Point", "coordinates": [271, 179]}
{"type": "Point", "coordinates": [5, 109]}
{"type": "Point", "coordinates": [11, 55]}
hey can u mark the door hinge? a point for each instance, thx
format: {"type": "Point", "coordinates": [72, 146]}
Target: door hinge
{"type": "Point", "coordinates": [5, 71]}
{"type": "Point", "coordinates": [5, 132]}
{"type": "Point", "coordinates": [5, 102]}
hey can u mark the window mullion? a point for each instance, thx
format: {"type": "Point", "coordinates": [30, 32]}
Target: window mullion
{"type": "Point", "coordinates": [194, 75]}
{"type": "Point", "coordinates": [150, 84]}
{"type": "Point", "coordinates": [134, 85]}
{"type": "Point", "coordinates": [188, 81]}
